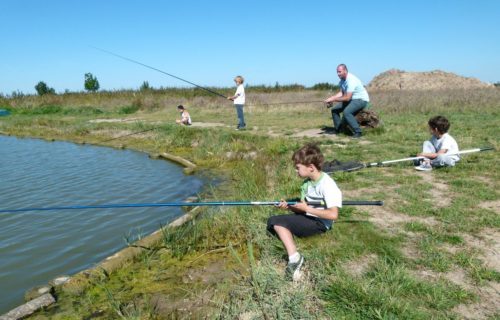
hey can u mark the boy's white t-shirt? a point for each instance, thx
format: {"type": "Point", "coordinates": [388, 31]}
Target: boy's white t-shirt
{"type": "Point", "coordinates": [185, 115]}
{"type": "Point", "coordinates": [240, 93]}
{"type": "Point", "coordinates": [446, 142]}
{"type": "Point", "coordinates": [326, 190]}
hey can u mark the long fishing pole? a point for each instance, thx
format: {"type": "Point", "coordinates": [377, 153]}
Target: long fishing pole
{"type": "Point", "coordinates": [129, 134]}
{"type": "Point", "coordinates": [377, 164]}
{"type": "Point", "coordinates": [192, 83]}
{"type": "Point", "coordinates": [354, 165]}
{"type": "Point", "coordinates": [161, 71]}
{"type": "Point", "coordinates": [279, 103]}
{"type": "Point", "coordinates": [186, 204]}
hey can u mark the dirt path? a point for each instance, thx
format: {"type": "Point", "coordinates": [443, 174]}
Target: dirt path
{"type": "Point", "coordinates": [308, 133]}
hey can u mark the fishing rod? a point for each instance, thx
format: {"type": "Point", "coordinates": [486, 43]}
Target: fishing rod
{"type": "Point", "coordinates": [187, 204]}
{"type": "Point", "coordinates": [192, 83]}
{"type": "Point", "coordinates": [130, 134]}
{"type": "Point", "coordinates": [334, 166]}
{"type": "Point", "coordinates": [161, 71]}
{"type": "Point", "coordinates": [279, 103]}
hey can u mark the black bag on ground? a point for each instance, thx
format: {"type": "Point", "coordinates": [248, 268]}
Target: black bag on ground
{"type": "Point", "coordinates": [337, 166]}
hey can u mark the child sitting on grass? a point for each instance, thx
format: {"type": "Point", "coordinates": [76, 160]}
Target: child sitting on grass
{"type": "Point", "coordinates": [307, 220]}
{"type": "Point", "coordinates": [185, 117]}
{"type": "Point", "coordinates": [441, 150]}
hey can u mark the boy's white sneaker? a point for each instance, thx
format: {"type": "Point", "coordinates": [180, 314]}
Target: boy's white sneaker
{"type": "Point", "coordinates": [424, 166]}
{"type": "Point", "coordinates": [293, 269]}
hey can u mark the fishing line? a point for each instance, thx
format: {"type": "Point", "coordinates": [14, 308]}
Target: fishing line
{"type": "Point", "coordinates": [161, 71]}
{"type": "Point", "coordinates": [187, 81]}
{"type": "Point", "coordinates": [192, 83]}
{"type": "Point", "coordinates": [130, 134]}
{"type": "Point", "coordinates": [279, 103]}
{"type": "Point", "coordinates": [186, 204]}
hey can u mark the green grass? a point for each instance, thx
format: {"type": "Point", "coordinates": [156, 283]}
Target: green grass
{"type": "Point", "coordinates": [225, 265]}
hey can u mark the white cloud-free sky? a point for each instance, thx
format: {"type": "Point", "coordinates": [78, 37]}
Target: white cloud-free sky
{"type": "Point", "coordinates": [210, 42]}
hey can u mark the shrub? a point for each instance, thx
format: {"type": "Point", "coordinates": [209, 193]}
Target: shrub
{"type": "Point", "coordinates": [145, 86]}
{"type": "Point", "coordinates": [129, 109]}
{"type": "Point", "coordinates": [47, 110]}
{"type": "Point", "coordinates": [42, 88]}
{"type": "Point", "coordinates": [325, 86]}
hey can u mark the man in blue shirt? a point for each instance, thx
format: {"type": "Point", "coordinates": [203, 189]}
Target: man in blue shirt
{"type": "Point", "coordinates": [352, 98]}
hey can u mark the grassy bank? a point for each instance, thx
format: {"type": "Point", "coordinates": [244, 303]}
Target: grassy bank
{"type": "Point", "coordinates": [430, 252]}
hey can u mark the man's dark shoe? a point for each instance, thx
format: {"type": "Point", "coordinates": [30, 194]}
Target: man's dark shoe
{"type": "Point", "coordinates": [357, 135]}
{"type": "Point", "coordinates": [331, 131]}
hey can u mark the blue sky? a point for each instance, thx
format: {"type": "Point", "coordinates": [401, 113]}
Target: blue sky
{"type": "Point", "coordinates": [209, 42]}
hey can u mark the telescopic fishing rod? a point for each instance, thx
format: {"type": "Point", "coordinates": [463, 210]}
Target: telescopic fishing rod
{"type": "Point", "coordinates": [129, 134]}
{"type": "Point", "coordinates": [279, 103]}
{"type": "Point", "coordinates": [192, 83]}
{"type": "Point", "coordinates": [161, 71]}
{"type": "Point", "coordinates": [187, 204]}
{"type": "Point", "coordinates": [354, 165]}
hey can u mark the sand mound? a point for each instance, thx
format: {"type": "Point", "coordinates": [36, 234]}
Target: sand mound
{"type": "Point", "coordinates": [395, 79]}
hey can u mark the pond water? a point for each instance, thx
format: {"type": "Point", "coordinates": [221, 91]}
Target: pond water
{"type": "Point", "coordinates": [37, 246]}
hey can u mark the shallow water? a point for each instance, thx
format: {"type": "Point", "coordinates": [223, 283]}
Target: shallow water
{"type": "Point", "coordinates": [38, 246]}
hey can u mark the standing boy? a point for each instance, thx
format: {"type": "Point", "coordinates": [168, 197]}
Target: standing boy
{"type": "Point", "coordinates": [239, 102]}
{"type": "Point", "coordinates": [306, 219]}
{"type": "Point", "coordinates": [442, 149]}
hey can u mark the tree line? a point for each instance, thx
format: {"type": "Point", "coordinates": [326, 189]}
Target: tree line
{"type": "Point", "coordinates": [91, 84]}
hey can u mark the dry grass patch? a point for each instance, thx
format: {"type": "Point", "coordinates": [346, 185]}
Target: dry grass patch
{"type": "Point", "coordinates": [119, 120]}
{"type": "Point", "coordinates": [441, 197]}
{"type": "Point", "coordinates": [359, 266]}
{"type": "Point", "coordinates": [487, 242]}
{"type": "Point", "coordinates": [491, 205]}
{"type": "Point", "coordinates": [208, 124]}
{"type": "Point", "coordinates": [485, 305]}
{"type": "Point", "coordinates": [385, 216]}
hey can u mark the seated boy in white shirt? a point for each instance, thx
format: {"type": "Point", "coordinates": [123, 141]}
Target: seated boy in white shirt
{"type": "Point", "coordinates": [441, 150]}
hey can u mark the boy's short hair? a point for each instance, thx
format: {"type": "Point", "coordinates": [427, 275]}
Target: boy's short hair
{"type": "Point", "coordinates": [239, 78]}
{"type": "Point", "coordinates": [309, 154]}
{"type": "Point", "coordinates": [440, 123]}
{"type": "Point", "coordinates": [180, 107]}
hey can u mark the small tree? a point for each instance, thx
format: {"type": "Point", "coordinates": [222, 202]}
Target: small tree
{"type": "Point", "coordinates": [91, 83]}
{"type": "Point", "coordinates": [145, 86]}
{"type": "Point", "coordinates": [17, 94]}
{"type": "Point", "coordinates": [42, 88]}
